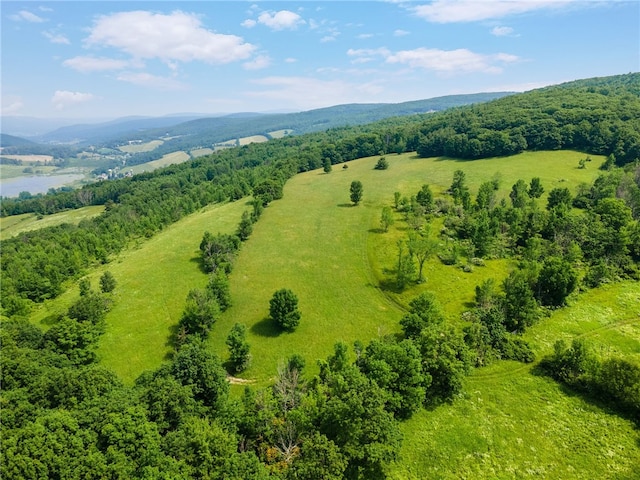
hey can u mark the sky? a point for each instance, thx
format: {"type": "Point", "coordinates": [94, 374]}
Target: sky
{"type": "Point", "coordinates": [87, 59]}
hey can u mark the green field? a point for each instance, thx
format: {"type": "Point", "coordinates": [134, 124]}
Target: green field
{"type": "Point", "coordinates": [166, 160]}
{"type": "Point", "coordinates": [510, 423]}
{"type": "Point", "coordinates": [15, 224]}
{"type": "Point", "coordinates": [141, 147]}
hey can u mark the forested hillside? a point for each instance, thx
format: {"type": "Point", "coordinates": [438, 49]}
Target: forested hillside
{"type": "Point", "coordinates": [67, 416]}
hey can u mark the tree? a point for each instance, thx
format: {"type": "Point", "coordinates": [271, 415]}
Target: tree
{"type": "Point", "coordinates": [535, 188]}
{"type": "Point", "coordinates": [459, 189]}
{"type": "Point", "coordinates": [386, 218]}
{"type": "Point", "coordinates": [283, 308]}
{"type": "Point", "coordinates": [557, 279]}
{"type": "Point", "coordinates": [520, 306]}
{"type": "Point", "coordinates": [519, 194]}
{"type": "Point", "coordinates": [559, 198]}
{"type": "Point", "coordinates": [196, 367]}
{"type": "Point", "coordinates": [267, 191]}
{"type": "Point", "coordinates": [382, 164]}
{"type": "Point", "coordinates": [245, 227]}
{"type": "Point", "coordinates": [107, 282]}
{"type": "Point", "coordinates": [395, 367]}
{"type": "Point", "coordinates": [200, 312]}
{"type": "Point", "coordinates": [425, 198]}
{"type": "Point", "coordinates": [356, 191]}
{"type": "Point", "coordinates": [424, 311]}
{"type": "Point", "coordinates": [85, 287]}
{"type": "Point", "coordinates": [239, 356]}
{"type": "Point", "coordinates": [406, 268]}
{"type": "Point", "coordinates": [446, 359]}
{"type": "Point", "coordinates": [326, 165]}
{"type": "Point", "coordinates": [218, 286]}
{"type": "Point", "coordinates": [422, 247]}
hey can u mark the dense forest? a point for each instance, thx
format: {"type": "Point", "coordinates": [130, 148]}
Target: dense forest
{"type": "Point", "coordinates": [65, 416]}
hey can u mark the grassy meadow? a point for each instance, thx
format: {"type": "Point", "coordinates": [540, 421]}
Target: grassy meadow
{"type": "Point", "coordinates": [166, 160]}
{"type": "Point", "coordinates": [16, 224]}
{"type": "Point", "coordinates": [510, 422]}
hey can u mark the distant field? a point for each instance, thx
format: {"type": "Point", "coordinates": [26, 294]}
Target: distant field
{"type": "Point", "coordinates": [141, 147]}
{"type": "Point", "coordinates": [201, 152]}
{"type": "Point", "coordinates": [253, 139]}
{"type": "Point", "coordinates": [30, 158]}
{"type": "Point", "coordinates": [14, 225]}
{"type": "Point", "coordinates": [13, 171]}
{"type": "Point", "coordinates": [280, 133]}
{"type": "Point", "coordinates": [168, 159]}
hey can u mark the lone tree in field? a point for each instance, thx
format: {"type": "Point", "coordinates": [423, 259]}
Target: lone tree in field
{"type": "Point", "coordinates": [356, 191]}
{"type": "Point", "coordinates": [326, 165]}
{"type": "Point", "coordinates": [283, 308]}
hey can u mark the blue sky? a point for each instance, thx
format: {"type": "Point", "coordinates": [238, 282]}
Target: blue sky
{"type": "Point", "coordinates": [111, 59]}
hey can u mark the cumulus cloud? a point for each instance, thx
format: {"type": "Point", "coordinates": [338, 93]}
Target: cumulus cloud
{"type": "Point", "coordinates": [258, 63]}
{"type": "Point", "coordinates": [56, 38]}
{"type": "Point", "coordinates": [364, 55]}
{"type": "Point", "coordinates": [441, 61]}
{"type": "Point", "coordinates": [282, 20]}
{"type": "Point", "coordinates": [452, 61]}
{"type": "Point", "coordinates": [176, 37]}
{"type": "Point", "coordinates": [11, 104]}
{"type": "Point", "coordinates": [151, 81]}
{"type": "Point", "coordinates": [450, 11]}
{"type": "Point", "coordinates": [63, 98]}
{"type": "Point", "coordinates": [94, 64]}
{"type": "Point", "coordinates": [502, 31]}
{"type": "Point", "coordinates": [309, 92]}
{"type": "Point", "coordinates": [26, 16]}
{"type": "Point", "coordinates": [400, 33]}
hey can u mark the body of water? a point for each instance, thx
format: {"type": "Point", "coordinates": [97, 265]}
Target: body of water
{"type": "Point", "coordinates": [34, 184]}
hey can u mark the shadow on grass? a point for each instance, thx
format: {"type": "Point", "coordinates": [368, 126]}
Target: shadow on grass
{"type": "Point", "coordinates": [608, 406]}
{"type": "Point", "coordinates": [266, 328]}
{"type": "Point", "coordinates": [346, 205]}
{"type": "Point", "coordinates": [172, 341]}
{"type": "Point", "coordinates": [197, 259]}
{"type": "Point", "coordinates": [376, 230]}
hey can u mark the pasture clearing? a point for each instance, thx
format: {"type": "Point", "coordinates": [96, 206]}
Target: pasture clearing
{"type": "Point", "coordinates": [252, 139]}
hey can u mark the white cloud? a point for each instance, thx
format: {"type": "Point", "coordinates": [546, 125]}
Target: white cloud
{"type": "Point", "coordinates": [151, 81]}
{"type": "Point", "coordinates": [282, 20]}
{"type": "Point", "coordinates": [258, 63]}
{"type": "Point", "coordinates": [56, 38]}
{"type": "Point", "coordinates": [290, 60]}
{"type": "Point", "coordinates": [94, 64]}
{"type": "Point", "coordinates": [249, 23]}
{"type": "Point", "coordinates": [308, 92]}
{"type": "Point", "coordinates": [24, 15]}
{"type": "Point", "coordinates": [502, 31]}
{"type": "Point", "coordinates": [364, 55]}
{"type": "Point", "coordinates": [11, 104]}
{"type": "Point", "coordinates": [178, 37]}
{"type": "Point", "coordinates": [452, 61]}
{"type": "Point", "coordinates": [364, 36]}
{"type": "Point", "coordinates": [401, 33]}
{"type": "Point", "coordinates": [450, 11]}
{"type": "Point", "coordinates": [63, 98]}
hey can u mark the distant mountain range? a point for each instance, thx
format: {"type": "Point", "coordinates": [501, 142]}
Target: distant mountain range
{"type": "Point", "coordinates": [204, 130]}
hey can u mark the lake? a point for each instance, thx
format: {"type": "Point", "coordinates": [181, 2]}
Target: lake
{"type": "Point", "coordinates": [33, 184]}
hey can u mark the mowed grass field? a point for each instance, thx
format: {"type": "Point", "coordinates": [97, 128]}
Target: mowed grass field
{"type": "Point", "coordinates": [510, 423]}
